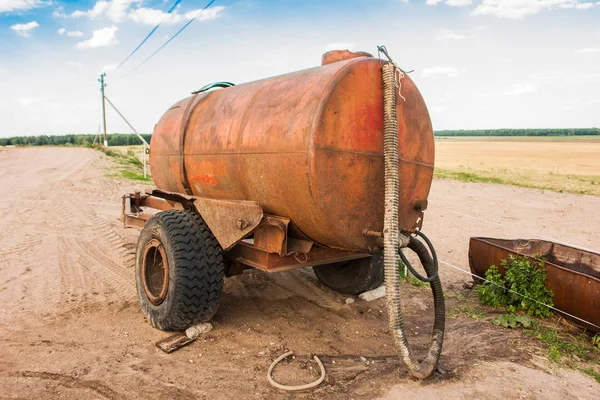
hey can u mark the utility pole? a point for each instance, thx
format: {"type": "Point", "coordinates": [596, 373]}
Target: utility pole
{"type": "Point", "coordinates": [145, 145]}
{"type": "Point", "coordinates": [102, 86]}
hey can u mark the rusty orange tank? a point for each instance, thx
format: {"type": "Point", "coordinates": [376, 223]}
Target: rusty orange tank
{"type": "Point", "coordinates": [306, 145]}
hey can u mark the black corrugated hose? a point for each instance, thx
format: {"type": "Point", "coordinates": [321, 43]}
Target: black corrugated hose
{"type": "Point", "coordinates": [421, 251]}
{"type": "Point", "coordinates": [391, 238]}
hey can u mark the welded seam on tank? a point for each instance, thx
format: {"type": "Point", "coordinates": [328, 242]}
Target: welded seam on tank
{"type": "Point", "coordinates": [239, 167]}
{"type": "Point", "coordinates": [235, 153]}
{"type": "Point", "coordinates": [312, 148]}
{"type": "Point", "coordinates": [365, 153]}
{"type": "Point", "coordinates": [185, 119]}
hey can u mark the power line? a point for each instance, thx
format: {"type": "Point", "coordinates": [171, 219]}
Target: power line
{"type": "Point", "coordinates": [150, 34]}
{"type": "Point", "coordinates": [172, 37]}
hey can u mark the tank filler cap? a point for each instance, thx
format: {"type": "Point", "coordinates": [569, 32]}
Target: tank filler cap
{"type": "Point", "coordinates": [340, 55]}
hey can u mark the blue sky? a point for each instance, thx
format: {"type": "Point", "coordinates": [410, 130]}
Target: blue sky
{"type": "Point", "coordinates": [478, 63]}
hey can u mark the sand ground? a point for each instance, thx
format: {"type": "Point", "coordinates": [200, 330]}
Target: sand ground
{"type": "Point", "coordinates": [72, 327]}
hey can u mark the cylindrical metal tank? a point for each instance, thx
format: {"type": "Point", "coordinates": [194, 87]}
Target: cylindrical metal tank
{"type": "Point", "coordinates": [306, 145]}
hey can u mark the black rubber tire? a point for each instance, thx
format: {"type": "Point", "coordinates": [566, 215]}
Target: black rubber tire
{"type": "Point", "coordinates": [352, 277]}
{"type": "Point", "coordinates": [195, 270]}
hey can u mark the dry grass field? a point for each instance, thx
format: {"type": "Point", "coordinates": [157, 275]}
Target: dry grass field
{"type": "Point", "coordinates": [131, 150]}
{"type": "Point", "coordinates": [559, 164]}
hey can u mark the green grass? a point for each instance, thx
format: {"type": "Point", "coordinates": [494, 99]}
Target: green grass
{"type": "Point", "coordinates": [571, 351]}
{"type": "Point", "coordinates": [596, 340]}
{"type": "Point", "coordinates": [136, 176]}
{"type": "Point", "coordinates": [481, 178]}
{"type": "Point", "coordinates": [467, 311]}
{"type": "Point", "coordinates": [467, 176]}
{"type": "Point", "coordinates": [129, 166]}
{"type": "Point", "coordinates": [591, 372]}
{"type": "Point", "coordinates": [575, 351]}
{"type": "Point", "coordinates": [405, 275]}
{"type": "Point", "coordinates": [560, 344]}
{"type": "Point", "coordinates": [557, 138]}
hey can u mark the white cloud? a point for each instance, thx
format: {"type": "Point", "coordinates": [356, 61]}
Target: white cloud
{"type": "Point", "coordinates": [588, 50]}
{"type": "Point", "coordinates": [19, 5]}
{"type": "Point", "coordinates": [100, 38]}
{"type": "Point", "coordinates": [29, 101]}
{"type": "Point", "coordinates": [151, 16]}
{"type": "Point", "coordinates": [59, 14]}
{"type": "Point", "coordinates": [109, 67]}
{"type": "Point", "coordinates": [459, 3]}
{"type": "Point", "coordinates": [519, 9]}
{"type": "Point", "coordinates": [449, 72]}
{"type": "Point", "coordinates": [63, 31]}
{"type": "Point", "coordinates": [477, 108]}
{"type": "Point", "coordinates": [115, 10]}
{"type": "Point", "coordinates": [23, 29]}
{"type": "Point", "coordinates": [99, 8]}
{"type": "Point", "coordinates": [340, 46]}
{"type": "Point", "coordinates": [508, 9]}
{"type": "Point", "coordinates": [592, 102]}
{"type": "Point", "coordinates": [75, 64]}
{"type": "Point", "coordinates": [470, 33]}
{"type": "Point", "coordinates": [556, 78]}
{"type": "Point", "coordinates": [451, 35]}
{"type": "Point", "coordinates": [119, 10]}
{"type": "Point", "coordinates": [451, 3]}
{"type": "Point", "coordinates": [520, 88]}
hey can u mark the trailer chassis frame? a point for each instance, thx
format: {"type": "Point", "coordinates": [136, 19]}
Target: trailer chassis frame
{"type": "Point", "coordinates": [249, 237]}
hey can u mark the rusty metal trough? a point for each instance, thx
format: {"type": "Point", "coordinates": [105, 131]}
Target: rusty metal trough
{"type": "Point", "coordinates": [573, 274]}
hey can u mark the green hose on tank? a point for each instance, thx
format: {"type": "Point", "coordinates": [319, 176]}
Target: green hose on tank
{"type": "Point", "coordinates": [393, 241]}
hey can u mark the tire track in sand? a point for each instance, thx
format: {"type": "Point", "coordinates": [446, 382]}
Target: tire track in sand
{"type": "Point", "coordinates": [56, 251]}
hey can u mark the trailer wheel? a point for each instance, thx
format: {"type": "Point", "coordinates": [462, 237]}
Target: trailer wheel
{"type": "Point", "coordinates": [178, 271]}
{"type": "Point", "coordinates": [352, 277]}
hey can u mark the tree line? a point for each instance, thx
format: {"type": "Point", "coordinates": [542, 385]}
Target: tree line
{"type": "Point", "coordinates": [114, 139]}
{"type": "Point", "coordinates": [521, 132]}
{"type": "Point", "coordinates": [122, 139]}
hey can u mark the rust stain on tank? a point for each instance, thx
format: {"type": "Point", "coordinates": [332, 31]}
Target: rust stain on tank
{"type": "Point", "coordinates": [306, 145]}
{"type": "Point", "coordinates": [206, 179]}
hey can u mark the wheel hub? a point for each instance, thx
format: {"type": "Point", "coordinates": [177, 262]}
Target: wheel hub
{"type": "Point", "coordinates": [155, 272]}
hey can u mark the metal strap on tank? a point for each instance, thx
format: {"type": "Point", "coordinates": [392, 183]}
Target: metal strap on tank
{"type": "Point", "coordinates": [184, 124]}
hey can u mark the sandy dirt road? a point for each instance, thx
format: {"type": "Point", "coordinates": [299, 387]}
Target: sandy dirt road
{"type": "Point", "coordinates": [71, 326]}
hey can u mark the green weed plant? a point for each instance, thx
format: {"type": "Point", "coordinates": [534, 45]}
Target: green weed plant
{"type": "Point", "coordinates": [522, 288]}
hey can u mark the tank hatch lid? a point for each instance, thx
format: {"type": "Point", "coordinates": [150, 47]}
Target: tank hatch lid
{"type": "Point", "coordinates": [340, 55]}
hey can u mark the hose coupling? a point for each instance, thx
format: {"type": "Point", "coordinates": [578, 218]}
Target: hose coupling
{"type": "Point", "coordinates": [403, 240]}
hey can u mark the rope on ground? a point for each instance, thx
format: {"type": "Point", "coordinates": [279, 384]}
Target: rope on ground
{"type": "Point", "coordinates": [298, 387]}
{"type": "Point", "coordinates": [522, 295]}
